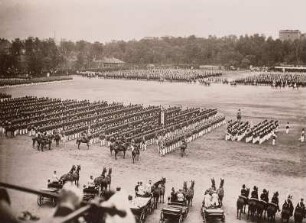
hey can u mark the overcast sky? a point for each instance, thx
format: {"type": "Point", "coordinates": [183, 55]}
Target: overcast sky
{"type": "Point", "coordinates": [106, 20]}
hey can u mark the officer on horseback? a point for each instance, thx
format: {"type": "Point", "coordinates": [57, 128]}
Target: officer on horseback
{"type": "Point", "coordinates": [288, 204]}
{"type": "Point", "coordinates": [275, 200]}
{"type": "Point", "coordinates": [264, 196]}
{"type": "Point", "coordinates": [244, 191]}
{"type": "Point", "coordinates": [254, 193]}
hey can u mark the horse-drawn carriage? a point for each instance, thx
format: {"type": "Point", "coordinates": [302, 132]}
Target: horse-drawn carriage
{"type": "Point", "coordinates": [50, 194]}
{"type": "Point", "coordinates": [212, 203]}
{"type": "Point", "coordinates": [176, 209]}
{"type": "Point", "coordinates": [178, 204]}
{"type": "Point", "coordinates": [90, 193]}
{"type": "Point", "coordinates": [141, 207]}
{"type": "Point", "coordinates": [212, 212]}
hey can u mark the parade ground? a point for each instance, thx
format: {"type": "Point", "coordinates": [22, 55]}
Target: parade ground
{"type": "Point", "coordinates": [279, 168]}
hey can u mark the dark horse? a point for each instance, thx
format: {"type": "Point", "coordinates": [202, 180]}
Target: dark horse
{"type": "Point", "coordinates": [11, 129]}
{"type": "Point", "coordinates": [118, 147]}
{"type": "Point", "coordinates": [104, 181]}
{"type": "Point", "coordinates": [220, 191]}
{"type": "Point", "coordinates": [286, 212]}
{"type": "Point", "coordinates": [57, 138]}
{"type": "Point", "coordinates": [136, 153]}
{"type": "Point", "coordinates": [252, 207]}
{"type": "Point", "coordinates": [261, 209]}
{"type": "Point", "coordinates": [240, 204]}
{"type": "Point", "coordinates": [190, 193]}
{"type": "Point", "coordinates": [85, 140]}
{"type": "Point", "coordinates": [299, 214]}
{"type": "Point", "coordinates": [159, 189]}
{"type": "Point", "coordinates": [72, 176]}
{"type": "Point", "coordinates": [42, 141]}
{"type": "Point", "coordinates": [271, 211]}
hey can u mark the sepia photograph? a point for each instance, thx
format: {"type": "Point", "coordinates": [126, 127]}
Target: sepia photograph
{"type": "Point", "coordinates": [152, 111]}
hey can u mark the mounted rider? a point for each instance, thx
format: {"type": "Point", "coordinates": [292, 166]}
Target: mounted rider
{"type": "Point", "coordinates": [244, 193]}
{"type": "Point", "coordinates": [254, 193]}
{"type": "Point", "coordinates": [264, 196]}
{"type": "Point", "coordinates": [275, 200]}
{"type": "Point", "coordinates": [288, 204]}
{"type": "Point", "coordinates": [301, 207]}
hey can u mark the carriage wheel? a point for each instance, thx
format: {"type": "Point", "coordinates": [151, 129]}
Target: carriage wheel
{"type": "Point", "coordinates": [181, 218]}
{"type": "Point", "coordinates": [40, 200]}
{"type": "Point", "coordinates": [142, 217]}
{"type": "Point", "coordinates": [161, 220]}
{"type": "Point", "coordinates": [54, 202]}
{"type": "Point", "coordinates": [223, 218]}
{"type": "Point", "coordinates": [204, 217]}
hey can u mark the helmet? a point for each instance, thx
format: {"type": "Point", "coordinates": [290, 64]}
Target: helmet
{"type": "Point", "coordinates": [243, 186]}
{"type": "Point", "coordinates": [255, 188]}
{"type": "Point", "coordinates": [264, 190]}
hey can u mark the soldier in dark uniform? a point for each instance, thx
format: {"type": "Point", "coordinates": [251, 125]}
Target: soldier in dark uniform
{"type": "Point", "coordinates": [254, 193]}
{"type": "Point", "coordinates": [275, 200]}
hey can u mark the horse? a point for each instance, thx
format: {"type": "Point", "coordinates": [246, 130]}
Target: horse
{"type": "Point", "coordinates": [135, 154]}
{"type": "Point", "coordinates": [76, 175]}
{"type": "Point", "coordinates": [298, 214]}
{"type": "Point", "coordinates": [285, 214]}
{"type": "Point", "coordinates": [57, 138]}
{"type": "Point", "coordinates": [240, 204]}
{"type": "Point", "coordinates": [160, 189]}
{"type": "Point", "coordinates": [190, 193]}
{"type": "Point", "coordinates": [104, 181]}
{"type": "Point", "coordinates": [44, 141]}
{"type": "Point", "coordinates": [10, 129]}
{"type": "Point", "coordinates": [252, 207]}
{"type": "Point", "coordinates": [220, 191]}
{"type": "Point", "coordinates": [121, 147]}
{"type": "Point", "coordinates": [271, 212]}
{"type": "Point", "coordinates": [261, 209]}
{"type": "Point", "coordinates": [85, 140]}
{"type": "Point", "coordinates": [156, 194]}
{"type": "Point", "coordinates": [68, 176]}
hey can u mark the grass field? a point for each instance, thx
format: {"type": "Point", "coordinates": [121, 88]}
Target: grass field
{"type": "Point", "coordinates": [280, 168]}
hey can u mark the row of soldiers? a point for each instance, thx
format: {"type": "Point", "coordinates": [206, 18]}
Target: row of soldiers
{"type": "Point", "coordinates": [102, 120]}
{"type": "Point", "coordinates": [179, 75]}
{"type": "Point", "coordinates": [259, 133]}
{"type": "Point", "coordinates": [11, 82]}
{"type": "Point", "coordinates": [275, 79]}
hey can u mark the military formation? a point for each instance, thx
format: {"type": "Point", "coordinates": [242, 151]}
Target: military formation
{"type": "Point", "coordinates": [161, 74]}
{"type": "Point", "coordinates": [46, 119]}
{"type": "Point", "coordinates": [28, 81]}
{"type": "Point", "coordinates": [281, 80]}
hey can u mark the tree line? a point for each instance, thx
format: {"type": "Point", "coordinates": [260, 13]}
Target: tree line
{"type": "Point", "coordinates": [36, 57]}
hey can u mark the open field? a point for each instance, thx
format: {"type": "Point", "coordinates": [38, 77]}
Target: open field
{"type": "Point", "coordinates": [281, 168]}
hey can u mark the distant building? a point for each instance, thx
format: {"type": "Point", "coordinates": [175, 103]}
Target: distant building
{"type": "Point", "coordinates": [289, 35]}
{"type": "Point", "coordinates": [107, 63]}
